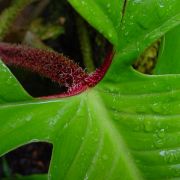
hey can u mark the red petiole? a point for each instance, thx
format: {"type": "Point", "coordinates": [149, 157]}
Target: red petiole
{"type": "Point", "coordinates": [54, 66]}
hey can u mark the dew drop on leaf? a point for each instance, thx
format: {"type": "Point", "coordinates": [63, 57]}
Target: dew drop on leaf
{"type": "Point", "coordinates": [169, 156]}
{"type": "Point", "coordinates": [110, 35]}
{"type": "Point", "coordinates": [156, 107]}
{"type": "Point", "coordinates": [161, 133]}
{"type": "Point", "coordinates": [161, 3]}
{"type": "Point", "coordinates": [86, 177]}
{"type": "Point", "coordinates": [159, 137]}
{"type": "Point", "coordinates": [9, 80]}
{"type": "Point", "coordinates": [65, 126]}
{"type": "Point", "coordinates": [108, 5]}
{"type": "Point", "coordinates": [28, 118]}
{"type": "Point", "coordinates": [126, 33]}
{"type": "Point", "coordinates": [131, 17]}
{"type": "Point", "coordinates": [148, 127]}
{"type": "Point", "coordinates": [136, 2]}
{"type": "Point", "coordinates": [158, 143]}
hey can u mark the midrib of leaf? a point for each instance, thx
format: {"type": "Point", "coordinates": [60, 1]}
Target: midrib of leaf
{"type": "Point", "coordinates": [133, 107]}
{"type": "Point", "coordinates": [106, 126]}
{"type": "Point", "coordinates": [83, 144]}
{"type": "Point", "coordinates": [98, 125]}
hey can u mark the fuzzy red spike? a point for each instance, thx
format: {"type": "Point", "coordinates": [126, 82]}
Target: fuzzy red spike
{"type": "Point", "coordinates": [48, 64]}
{"type": "Point", "coordinates": [54, 66]}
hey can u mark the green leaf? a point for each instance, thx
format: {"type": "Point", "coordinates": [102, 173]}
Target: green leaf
{"type": "Point", "coordinates": [118, 129]}
{"type": "Point", "coordinates": [104, 15]}
{"type": "Point", "coordinates": [168, 61]}
{"type": "Point", "coordinates": [138, 23]}
{"type": "Point", "coordinates": [127, 127]}
{"type": "Point", "coordinates": [145, 111]}
{"type": "Point", "coordinates": [11, 90]}
{"type": "Point", "coordinates": [146, 21]}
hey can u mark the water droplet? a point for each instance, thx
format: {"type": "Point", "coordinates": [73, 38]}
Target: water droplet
{"type": "Point", "coordinates": [9, 80]}
{"type": "Point", "coordinates": [137, 1]}
{"type": "Point", "coordinates": [114, 99]}
{"type": "Point", "coordinates": [161, 4]}
{"type": "Point", "coordinates": [148, 127]}
{"type": "Point", "coordinates": [169, 156]}
{"type": "Point", "coordinates": [126, 33]}
{"type": "Point", "coordinates": [139, 126]}
{"type": "Point", "coordinates": [52, 122]}
{"type": "Point", "coordinates": [131, 17]}
{"type": "Point", "coordinates": [156, 107]}
{"type": "Point", "coordinates": [65, 126]}
{"type": "Point", "coordinates": [86, 177]}
{"type": "Point", "coordinates": [28, 118]}
{"type": "Point", "coordinates": [161, 133]}
{"type": "Point", "coordinates": [158, 143]}
{"type": "Point", "coordinates": [162, 153]}
{"type": "Point", "coordinates": [159, 137]}
{"type": "Point", "coordinates": [110, 35]}
{"type": "Point", "coordinates": [108, 5]}
{"type": "Point", "coordinates": [138, 45]}
{"type": "Point", "coordinates": [83, 2]}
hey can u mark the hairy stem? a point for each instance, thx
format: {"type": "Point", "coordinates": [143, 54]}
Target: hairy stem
{"type": "Point", "coordinates": [48, 64]}
{"type": "Point", "coordinates": [9, 15]}
{"type": "Point", "coordinates": [54, 66]}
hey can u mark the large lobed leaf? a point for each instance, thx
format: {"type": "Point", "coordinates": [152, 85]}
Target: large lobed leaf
{"type": "Point", "coordinates": [128, 126]}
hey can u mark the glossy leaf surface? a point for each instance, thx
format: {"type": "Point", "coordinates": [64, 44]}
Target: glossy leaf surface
{"type": "Point", "coordinates": [11, 90]}
{"type": "Point", "coordinates": [103, 15]}
{"type": "Point", "coordinates": [168, 61]}
{"type": "Point", "coordinates": [128, 126]}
